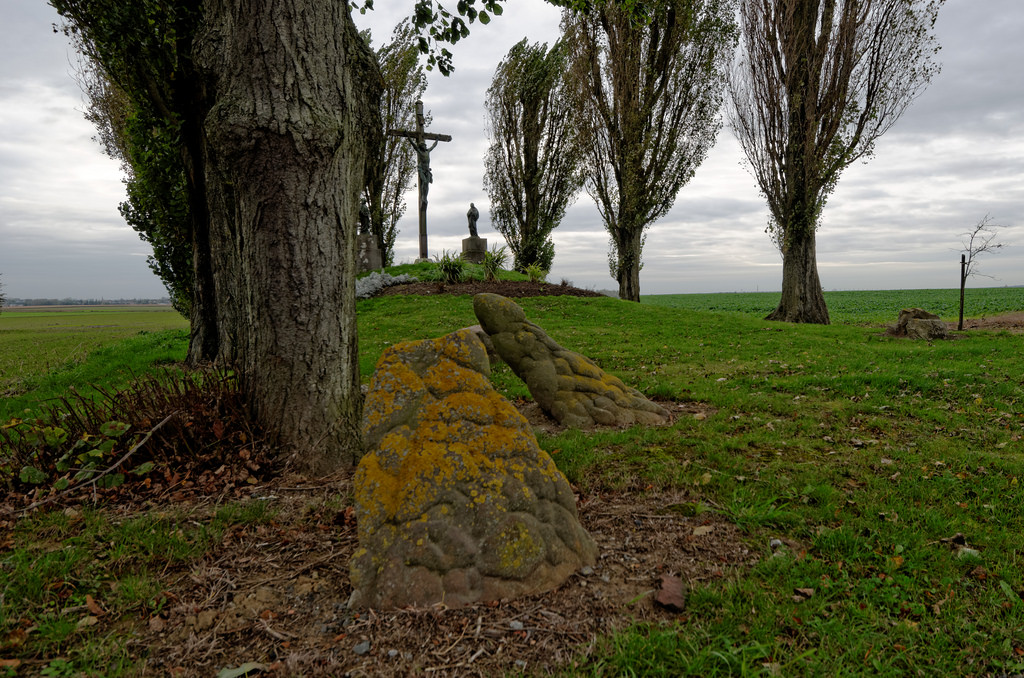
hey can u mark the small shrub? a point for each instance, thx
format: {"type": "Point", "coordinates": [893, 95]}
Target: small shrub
{"type": "Point", "coordinates": [494, 261]}
{"type": "Point", "coordinates": [77, 441]}
{"type": "Point", "coordinates": [451, 268]}
{"type": "Point", "coordinates": [536, 273]}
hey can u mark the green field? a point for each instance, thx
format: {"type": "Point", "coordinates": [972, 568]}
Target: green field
{"type": "Point", "coordinates": [890, 469]}
{"type": "Point", "coordinates": [873, 306]}
{"type": "Point", "coordinates": [44, 351]}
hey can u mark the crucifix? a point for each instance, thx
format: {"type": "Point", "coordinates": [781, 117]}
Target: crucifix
{"type": "Point", "coordinates": [418, 139]}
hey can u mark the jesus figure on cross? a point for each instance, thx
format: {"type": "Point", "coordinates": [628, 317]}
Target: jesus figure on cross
{"type": "Point", "coordinates": [418, 139]}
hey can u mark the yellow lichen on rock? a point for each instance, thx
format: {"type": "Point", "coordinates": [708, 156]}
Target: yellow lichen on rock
{"type": "Point", "coordinates": [452, 463]}
{"type": "Point", "coordinates": [568, 386]}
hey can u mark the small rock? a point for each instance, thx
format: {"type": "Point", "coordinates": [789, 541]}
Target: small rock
{"type": "Point", "coordinates": [392, 654]}
{"type": "Point", "coordinates": [775, 544]}
{"type": "Point", "coordinates": [671, 595]}
{"type": "Point", "coordinates": [516, 625]}
{"type": "Point", "coordinates": [362, 648]}
{"type": "Point", "coordinates": [802, 594]}
{"type": "Point", "coordinates": [587, 571]}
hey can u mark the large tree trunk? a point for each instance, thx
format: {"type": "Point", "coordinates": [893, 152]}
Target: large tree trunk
{"type": "Point", "coordinates": [802, 298]}
{"type": "Point", "coordinates": [293, 95]}
{"type": "Point", "coordinates": [629, 246]}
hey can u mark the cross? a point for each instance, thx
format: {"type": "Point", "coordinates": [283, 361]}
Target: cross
{"type": "Point", "coordinates": [418, 139]}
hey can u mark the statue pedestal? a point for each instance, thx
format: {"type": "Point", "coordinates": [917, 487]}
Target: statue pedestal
{"type": "Point", "coordinates": [367, 253]}
{"type": "Point", "coordinates": [474, 249]}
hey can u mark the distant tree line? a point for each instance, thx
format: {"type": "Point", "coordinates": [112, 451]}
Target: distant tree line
{"type": "Point", "coordinates": [164, 301]}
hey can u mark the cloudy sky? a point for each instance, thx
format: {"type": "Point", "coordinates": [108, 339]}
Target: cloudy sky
{"type": "Point", "coordinates": [894, 222]}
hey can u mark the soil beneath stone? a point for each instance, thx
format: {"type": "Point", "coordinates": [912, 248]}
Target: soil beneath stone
{"type": "Point", "coordinates": [276, 594]}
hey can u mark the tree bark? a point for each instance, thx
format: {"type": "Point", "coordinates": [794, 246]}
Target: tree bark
{"type": "Point", "coordinates": [629, 247]}
{"type": "Point", "coordinates": [802, 299]}
{"type": "Point", "coordinates": [293, 102]}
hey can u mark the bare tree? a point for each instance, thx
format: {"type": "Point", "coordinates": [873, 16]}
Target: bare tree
{"type": "Point", "coordinates": [533, 162]}
{"type": "Point", "coordinates": [816, 84]}
{"type": "Point", "coordinates": [975, 242]}
{"type": "Point", "coordinates": [649, 93]}
{"type": "Point", "coordinates": [389, 177]}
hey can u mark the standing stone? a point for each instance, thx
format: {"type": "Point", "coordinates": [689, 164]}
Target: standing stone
{"type": "Point", "coordinates": [473, 249]}
{"type": "Point", "coordinates": [569, 387]}
{"type": "Point", "coordinates": [455, 501]}
{"type": "Point", "coordinates": [916, 323]}
{"type": "Point", "coordinates": [367, 253]}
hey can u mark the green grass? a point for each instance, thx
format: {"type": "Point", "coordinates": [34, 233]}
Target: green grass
{"type": "Point", "coordinates": [43, 353]}
{"type": "Point", "coordinates": [873, 306]}
{"type": "Point", "coordinates": [867, 452]}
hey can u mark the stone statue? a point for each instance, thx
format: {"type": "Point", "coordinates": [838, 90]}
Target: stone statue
{"type": "Point", "coordinates": [472, 215]}
{"type": "Point", "coordinates": [423, 165]}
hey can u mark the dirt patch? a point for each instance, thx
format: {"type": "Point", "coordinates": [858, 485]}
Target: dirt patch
{"type": "Point", "coordinates": [276, 595]}
{"type": "Point", "coordinates": [506, 288]}
{"type": "Point", "coordinates": [1012, 322]}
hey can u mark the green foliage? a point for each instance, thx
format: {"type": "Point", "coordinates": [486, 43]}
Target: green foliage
{"type": "Point", "coordinates": [451, 268]}
{"type": "Point", "coordinates": [137, 78]}
{"type": "Point", "coordinates": [536, 273]}
{"type": "Point", "coordinates": [494, 260]}
{"type": "Point", "coordinates": [157, 205]}
{"type": "Point", "coordinates": [533, 163]}
{"type": "Point", "coordinates": [196, 420]}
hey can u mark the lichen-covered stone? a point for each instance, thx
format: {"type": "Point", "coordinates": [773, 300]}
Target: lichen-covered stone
{"type": "Point", "coordinates": [455, 502]}
{"type": "Point", "coordinates": [570, 387]}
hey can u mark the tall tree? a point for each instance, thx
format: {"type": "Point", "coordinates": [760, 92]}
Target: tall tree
{"type": "Point", "coordinates": [817, 83]}
{"type": "Point", "coordinates": [389, 177]}
{"type": "Point", "coordinates": [649, 93]}
{"type": "Point", "coordinates": [277, 112]}
{"type": "Point", "coordinates": [532, 167]}
{"type": "Point", "coordinates": [148, 149]}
